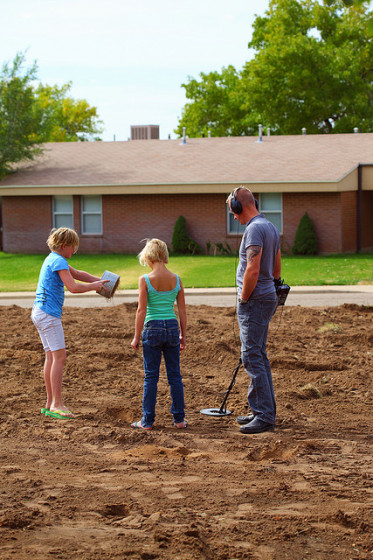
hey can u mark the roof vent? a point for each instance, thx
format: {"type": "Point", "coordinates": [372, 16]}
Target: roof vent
{"type": "Point", "coordinates": [260, 139]}
{"type": "Point", "coordinates": [183, 141]}
{"type": "Point", "coordinates": [145, 132]}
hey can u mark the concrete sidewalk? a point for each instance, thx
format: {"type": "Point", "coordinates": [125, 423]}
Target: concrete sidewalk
{"type": "Point", "coordinates": [307, 296]}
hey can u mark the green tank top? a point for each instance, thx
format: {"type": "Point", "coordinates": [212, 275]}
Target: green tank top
{"type": "Point", "coordinates": [160, 305]}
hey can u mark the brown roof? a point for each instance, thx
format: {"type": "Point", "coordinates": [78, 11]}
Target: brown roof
{"type": "Point", "coordinates": [232, 160]}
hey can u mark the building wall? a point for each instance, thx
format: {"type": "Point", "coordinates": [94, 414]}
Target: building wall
{"type": "Point", "coordinates": [127, 220]}
{"type": "Point", "coordinates": [27, 221]}
{"type": "Point", "coordinates": [367, 221]}
{"type": "Point", "coordinates": [325, 211]}
{"type": "Point", "coordinates": [349, 221]}
{"type": "Point", "coordinates": [130, 219]}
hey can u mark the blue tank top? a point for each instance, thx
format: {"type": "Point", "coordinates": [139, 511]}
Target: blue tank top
{"type": "Point", "coordinates": [160, 305]}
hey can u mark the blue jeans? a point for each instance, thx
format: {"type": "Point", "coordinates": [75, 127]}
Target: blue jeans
{"type": "Point", "coordinates": [253, 318]}
{"type": "Point", "coordinates": [162, 337]}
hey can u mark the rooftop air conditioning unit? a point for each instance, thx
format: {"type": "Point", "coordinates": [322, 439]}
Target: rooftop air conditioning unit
{"type": "Point", "coordinates": [145, 132]}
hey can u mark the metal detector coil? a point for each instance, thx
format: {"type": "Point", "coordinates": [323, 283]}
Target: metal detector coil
{"type": "Point", "coordinates": [222, 411]}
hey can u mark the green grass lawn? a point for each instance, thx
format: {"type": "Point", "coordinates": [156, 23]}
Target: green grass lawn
{"type": "Point", "coordinates": [20, 272]}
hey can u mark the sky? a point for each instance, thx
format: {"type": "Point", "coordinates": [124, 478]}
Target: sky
{"type": "Point", "coordinates": [129, 58]}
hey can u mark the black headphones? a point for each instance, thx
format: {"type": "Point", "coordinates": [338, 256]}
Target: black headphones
{"type": "Point", "coordinates": [236, 205]}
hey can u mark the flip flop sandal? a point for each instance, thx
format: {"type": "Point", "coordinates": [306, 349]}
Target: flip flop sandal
{"type": "Point", "coordinates": [181, 425]}
{"type": "Point", "coordinates": [139, 426]}
{"type": "Point", "coordinates": [44, 410]}
{"type": "Point", "coordinates": [60, 414]}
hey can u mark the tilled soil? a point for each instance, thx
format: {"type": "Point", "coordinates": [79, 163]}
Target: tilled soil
{"type": "Point", "coordinates": [96, 489]}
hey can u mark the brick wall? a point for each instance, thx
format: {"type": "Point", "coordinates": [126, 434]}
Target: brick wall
{"type": "Point", "coordinates": [129, 219]}
{"type": "Point", "coordinates": [367, 221]}
{"type": "Point", "coordinates": [349, 221]}
{"type": "Point", "coordinates": [27, 222]}
{"type": "Point", "coordinates": [325, 212]}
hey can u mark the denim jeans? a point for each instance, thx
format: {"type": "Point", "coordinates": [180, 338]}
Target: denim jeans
{"type": "Point", "coordinates": [253, 318]}
{"type": "Point", "coordinates": [162, 337]}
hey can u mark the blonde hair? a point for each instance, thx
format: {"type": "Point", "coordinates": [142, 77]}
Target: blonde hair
{"type": "Point", "coordinates": [63, 236]}
{"type": "Point", "coordinates": [154, 250]}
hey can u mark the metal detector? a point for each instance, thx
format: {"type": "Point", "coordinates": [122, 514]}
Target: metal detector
{"type": "Point", "coordinates": [222, 411]}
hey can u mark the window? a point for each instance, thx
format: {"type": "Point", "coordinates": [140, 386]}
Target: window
{"type": "Point", "coordinates": [92, 215]}
{"type": "Point", "coordinates": [270, 205]}
{"type": "Point", "coordinates": [234, 226]}
{"type": "Point", "coordinates": [63, 211]}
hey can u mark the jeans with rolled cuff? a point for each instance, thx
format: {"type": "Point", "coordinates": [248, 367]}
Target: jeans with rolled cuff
{"type": "Point", "coordinates": [162, 337]}
{"type": "Point", "coordinates": [253, 318]}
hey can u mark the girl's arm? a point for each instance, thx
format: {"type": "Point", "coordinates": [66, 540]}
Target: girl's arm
{"type": "Point", "coordinates": [82, 276]}
{"type": "Point", "coordinates": [76, 288]}
{"type": "Point", "coordinates": [140, 313]}
{"type": "Point", "coordinates": [182, 316]}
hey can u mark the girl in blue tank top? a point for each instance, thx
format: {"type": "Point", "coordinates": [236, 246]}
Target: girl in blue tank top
{"type": "Point", "coordinates": [156, 320]}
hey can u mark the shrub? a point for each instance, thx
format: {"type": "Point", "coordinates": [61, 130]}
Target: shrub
{"type": "Point", "coordinates": [305, 242]}
{"type": "Point", "coordinates": [194, 248]}
{"type": "Point", "coordinates": [180, 237]}
{"type": "Point", "coordinates": [181, 242]}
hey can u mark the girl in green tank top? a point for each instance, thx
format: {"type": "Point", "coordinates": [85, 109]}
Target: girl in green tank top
{"type": "Point", "coordinates": [156, 320]}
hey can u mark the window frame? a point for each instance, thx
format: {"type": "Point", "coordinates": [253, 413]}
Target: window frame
{"type": "Point", "coordinates": [266, 212]}
{"type": "Point", "coordinates": [84, 213]}
{"type": "Point", "coordinates": [258, 196]}
{"type": "Point", "coordinates": [57, 213]}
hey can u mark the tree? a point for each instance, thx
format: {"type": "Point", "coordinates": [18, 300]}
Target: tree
{"type": "Point", "coordinates": [63, 118]}
{"type": "Point", "coordinates": [18, 121]}
{"type": "Point", "coordinates": [219, 105]}
{"type": "Point", "coordinates": [33, 114]}
{"type": "Point", "coordinates": [312, 68]}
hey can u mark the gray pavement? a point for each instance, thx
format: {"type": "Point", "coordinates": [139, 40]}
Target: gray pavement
{"type": "Point", "coordinates": [306, 296]}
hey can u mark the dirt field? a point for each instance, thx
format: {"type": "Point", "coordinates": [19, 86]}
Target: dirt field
{"type": "Point", "coordinates": [95, 489]}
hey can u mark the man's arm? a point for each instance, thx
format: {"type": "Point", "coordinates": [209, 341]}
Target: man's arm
{"type": "Point", "coordinates": [250, 278]}
{"type": "Point", "coordinates": [277, 267]}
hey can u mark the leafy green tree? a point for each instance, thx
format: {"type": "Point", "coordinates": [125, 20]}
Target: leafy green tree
{"type": "Point", "coordinates": [18, 121]}
{"type": "Point", "coordinates": [63, 118]}
{"type": "Point", "coordinates": [219, 105]}
{"type": "Point", "coordinates": [32, 114]}
{"type": "Point", "coordinates": [312, 68]}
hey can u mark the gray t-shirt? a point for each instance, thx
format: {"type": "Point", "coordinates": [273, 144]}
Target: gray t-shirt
{"type": "Point", "coordinates": [263, 233]}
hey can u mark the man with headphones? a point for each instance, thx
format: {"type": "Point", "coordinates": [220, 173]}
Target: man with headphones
{"type": "Point", "coordinates": [259, 264]}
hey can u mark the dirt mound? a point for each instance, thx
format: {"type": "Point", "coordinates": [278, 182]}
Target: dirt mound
{"type": "Point", "coordinates": [95, 489]}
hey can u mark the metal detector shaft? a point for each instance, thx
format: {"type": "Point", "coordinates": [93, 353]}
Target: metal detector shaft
{"type": "Point", "coordinates": [222, 411]}
{"type": "Point", "coordinates": [222, 407]}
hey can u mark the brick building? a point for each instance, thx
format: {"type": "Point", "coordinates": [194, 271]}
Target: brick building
{"type": "Point", "coordinates": [116, 194]}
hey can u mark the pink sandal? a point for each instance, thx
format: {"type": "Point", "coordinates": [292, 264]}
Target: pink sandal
{"type": "Point", "coordinates": [140, 426]}
{"type": "Point", "coordinates": [181, 425]}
